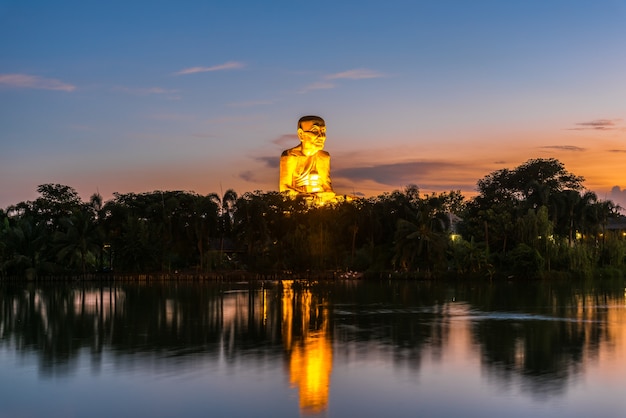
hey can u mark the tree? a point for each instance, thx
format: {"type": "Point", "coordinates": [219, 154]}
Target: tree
{"type": "Point", "coordinates": [536, 183]}
{"type": "Point", "coordinates": [56, 202]}
{"type": "Point", "coordinates": [203, 224]}
{"type": "Point", "coordinates": [251, 224]}
{"type": "Point", "coordinates": [227, 205]}
{"type": "Point", "coordinates": [422, 240]}
{"type": "Point", "coordinates": [533, 182]}
{"type": "Point", "coordinates": [79, 240]}
{"type": "Point", "coordinates": [24, 246]}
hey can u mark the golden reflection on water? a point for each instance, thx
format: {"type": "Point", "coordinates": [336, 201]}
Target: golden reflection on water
{"type": "Point", "coordinates": [310, 355]}
{"type": "Point", "coordinates": [564, 340]}
{"type": "Point", "coordinates": [612, 355]}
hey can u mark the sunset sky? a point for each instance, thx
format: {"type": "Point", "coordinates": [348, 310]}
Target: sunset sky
{"type": "Point", "coordinates": [136, 96]}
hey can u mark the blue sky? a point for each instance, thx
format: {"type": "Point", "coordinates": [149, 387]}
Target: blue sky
{"type": "Point", "coordinates": [203, 96]}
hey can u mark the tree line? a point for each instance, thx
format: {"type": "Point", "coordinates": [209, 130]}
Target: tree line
{"type": "Point", "coordinates": [532, 220]}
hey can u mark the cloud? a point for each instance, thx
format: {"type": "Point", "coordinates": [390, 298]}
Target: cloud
{"type": "Point", "coordinates": [356, 74]}
{"type": "Point", "coordinates": [617, 150]}
{"type": "Point", "coordinates": [271, 162]}
{"type": "Point", "coordinates": [320, 85]}
{"type": "Point", "coordinates": [564, 148]}
{"type": "Point", "coordinates": [287, 140]}
{"type": "Point", "coordinates": [618, 196]}
{"type": "Point", "coordinates": [230, 65]}
{"type": "Point", "coordinates": [597, 125]}
{"type": "Point", "coordinates": [146, 90]}
{"type": "Point", "coordinates": [34, 82]}
{"type": "Point", "coordinates": [396, 174]}
{"type": "Point", "coordinates": [247, 176]}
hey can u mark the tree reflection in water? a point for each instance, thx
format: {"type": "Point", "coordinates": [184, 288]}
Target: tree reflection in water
{"type": "Point", "coordinates": [548, 345]}
{"type": "Point", "coordinates": [541, 334]}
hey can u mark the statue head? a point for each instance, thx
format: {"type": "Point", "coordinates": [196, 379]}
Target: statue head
{"type": "Point", "coordinates": [312, 134]}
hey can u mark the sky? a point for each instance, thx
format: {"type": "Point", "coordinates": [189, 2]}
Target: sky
{"type": "Point", "coordinates": [203, 96]}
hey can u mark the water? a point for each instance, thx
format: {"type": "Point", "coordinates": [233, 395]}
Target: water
{"type": "Point", "coordinates": [288, 349]}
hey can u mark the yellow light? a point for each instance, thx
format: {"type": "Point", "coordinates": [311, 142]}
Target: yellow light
{"type": "Point", "coordinates": [310, 366]}
{"type": "Point", "coordinates": [311, 357]}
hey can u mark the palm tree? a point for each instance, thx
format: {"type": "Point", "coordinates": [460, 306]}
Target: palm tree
{"type": "Point", "coordinates": [79, 239]}
{"type": "Point", "coordinates": [203, 223]}
{"type": "Point", "coordinates": [586, 213]}
{"type": "Point", "coordinates": [567, 201]}
{"type": "Point", "coordinates": [251, 224]}
{"type": "Point", "coordinates": [422, 241]}
{"type": "Point", "coordinates": [25, 243]}
{"type": "Point", "coordinates": [96, 205]}
{"type": "Point", "coordinates": [227, 205]}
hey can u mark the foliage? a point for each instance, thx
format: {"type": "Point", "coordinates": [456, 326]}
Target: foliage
{"type": "Point", "coordinates": [525, 261]}
{"type": "Point", "coordinates": [524, 221]}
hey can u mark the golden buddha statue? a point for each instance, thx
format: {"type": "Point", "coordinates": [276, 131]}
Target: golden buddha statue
{"type": "Point", "coordinates": [305, 168]}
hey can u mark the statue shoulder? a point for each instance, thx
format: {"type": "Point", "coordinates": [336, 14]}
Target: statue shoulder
{"type": "Point", "coordinates": [292, 152]}
{"type": "Point", "coordinates": [323, 154]}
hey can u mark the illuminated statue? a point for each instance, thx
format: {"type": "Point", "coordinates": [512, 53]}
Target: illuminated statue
{"type": "Point", "coordinates": [305, 169]}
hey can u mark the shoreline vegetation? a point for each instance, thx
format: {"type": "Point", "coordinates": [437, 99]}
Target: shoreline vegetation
{"type": "Point", "coordinates": [536, 221]}
{"type": "Point", "coordinates": [244, 277]}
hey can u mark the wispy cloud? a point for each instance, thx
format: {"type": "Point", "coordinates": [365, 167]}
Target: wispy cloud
{"type": "Point", "coordinates": [230, 65]}
{"type": "Point", "coordinates": [396, 174]}
{"type": "Point", "coordinates": [356, 74]}
{"type": "Point", "coordinates": [618, 195]}
{"type": "Point", "coordinates": [287, 139]}
{"type": "Point", "coordinates": [564, 148]}
{"type": "Point", "coordinates": [146, 90]}
{"type": "Point", "coordinates": [269, 161]}
{"type": "Point", "coordinates": [327, 81]}
{"type": "Point", "coordinates": [617, 150]}
{"type": "Point", "coordinates": [34, 82]}
{"type": "Point", "coordinates": [247, 176]}
{"type": "Point", "coordinates": [597, 125]}
{"type": "Point", "coordinates": [320, 85]}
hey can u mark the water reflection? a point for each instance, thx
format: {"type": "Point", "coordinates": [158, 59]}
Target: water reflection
{"type": "Point", "coordinates": [539, 338]}
{"type": "Point", "coordinates": [310, 355]}
{"type": "Point", "coordinates": [546, 348]}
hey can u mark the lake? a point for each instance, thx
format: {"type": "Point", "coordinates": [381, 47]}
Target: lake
{"type": "Point", "coordinates": [329, 349]}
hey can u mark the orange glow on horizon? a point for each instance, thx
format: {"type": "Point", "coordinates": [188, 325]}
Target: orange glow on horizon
{"type": "Point", "coordinates": [455, 162]}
